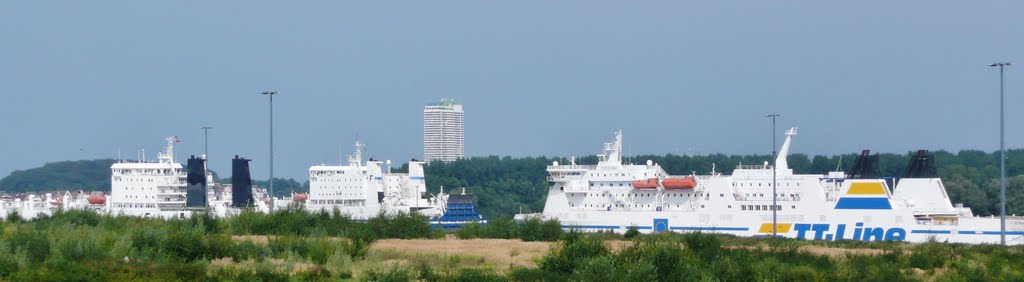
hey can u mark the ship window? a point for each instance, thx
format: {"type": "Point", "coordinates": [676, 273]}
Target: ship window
{"type": "Point", "coordinates": [730, 206]}
{"type": "Point", "coordinates": [721, 195]}
{"type": "Point", "coordinates": [792, 207]}
{"type": "Point", "coordinates": [743, 207]}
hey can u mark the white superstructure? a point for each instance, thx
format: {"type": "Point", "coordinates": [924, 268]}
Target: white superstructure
{"type": "Point", "coordinates": [365, 190]}
{"type": "Point", "coordinates": [443, 134]}
{"type": "Point", "coordinates": [612, 196]}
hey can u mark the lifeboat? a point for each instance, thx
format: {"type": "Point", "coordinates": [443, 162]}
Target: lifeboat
{"type": "Point", "coordinates": [651, 183]}
{"type": "Point", "coordinates": [679, 183]}
{"type": "Point", "coordinates": [97, 199]}
{"type": "Point", "coordinates": [301, 197]}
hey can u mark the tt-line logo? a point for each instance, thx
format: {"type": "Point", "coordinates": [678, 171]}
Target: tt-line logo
{"type": "Point", "coordinates": [824, 232]}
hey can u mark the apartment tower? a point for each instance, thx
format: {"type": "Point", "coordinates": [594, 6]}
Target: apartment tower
{"type": "Point", "coordinates": [443, 132]}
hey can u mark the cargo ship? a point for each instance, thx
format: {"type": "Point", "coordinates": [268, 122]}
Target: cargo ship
{"type": "Point", "coordinates": [457, 210]}
{"type": "Point", "coordinates": [862, 205]}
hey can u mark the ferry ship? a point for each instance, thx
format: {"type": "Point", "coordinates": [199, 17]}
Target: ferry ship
{"type": "Point", "coordinates": [613, 196]}
{"type": "Point", "coordinates": [165, 188]}
{"type": "Point", "coordinates": [365, 190]}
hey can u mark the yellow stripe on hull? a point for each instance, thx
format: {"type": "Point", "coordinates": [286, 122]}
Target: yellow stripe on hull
{"type": "Point", "coordinates": [767, 228]}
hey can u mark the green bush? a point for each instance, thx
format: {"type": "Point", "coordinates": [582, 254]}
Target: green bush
{"type": "Point", "coordinates": [571, 252]}
{"type": "Point", "coordinates": [631, 232]}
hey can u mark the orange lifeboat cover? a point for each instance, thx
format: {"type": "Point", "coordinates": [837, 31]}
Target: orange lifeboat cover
{"type": "Point", "coordinates": [301, 197]}
{"type": "Point", "coordinates": [651, 183]}
{"type": "Point", "coordinates": [679, 183]}
{"type": "Point", "coordinates": [97, 199]}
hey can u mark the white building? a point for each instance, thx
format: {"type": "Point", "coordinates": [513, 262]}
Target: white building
{"type": "Point", "coordinates": [443, 132]}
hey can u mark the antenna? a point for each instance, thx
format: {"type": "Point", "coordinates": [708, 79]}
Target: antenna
{"type": "Point", "coordinates": [840, 164]}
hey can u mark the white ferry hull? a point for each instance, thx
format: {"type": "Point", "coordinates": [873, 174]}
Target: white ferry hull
{"type": "Point", "coordinates": [612, 196]}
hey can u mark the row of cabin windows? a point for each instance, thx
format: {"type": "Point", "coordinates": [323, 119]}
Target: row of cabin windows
{"type": "Point", "coordinates": [334, 202]}
{"type": "Point", "coordinates": [760, 207]}
{"type": "Point", "coordinates": [337, 179]}
{"type": "Point", "coordinates": [762, 195]}
{"type": "Point", "coordinates": [134, 205]}
{"type": "Point", "coordinates": [616, 174]}
{"type": "Point", "coordinates": [147, 171]}
{"type": "Point", "coordinates": [339, 187]}
{"type": "Point", "coordinates": [617, 205]}
{"type": "Point", "coordinates": [644, 195]}
{"type": "Point", "coordinates": [337, 194]}
{"type": "Point", "coordinates": [759, 184]}
{"type": "Point", "coordinates": [134, 179]}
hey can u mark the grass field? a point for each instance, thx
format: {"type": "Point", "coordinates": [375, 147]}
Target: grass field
{"type": "Point", "coordinates": [300, 246]}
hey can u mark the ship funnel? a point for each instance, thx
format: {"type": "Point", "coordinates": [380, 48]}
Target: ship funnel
{"type": "Point", "coordinates": [866, 166]}
{"type": "Point", "coordinates": [780, 161]}
{"type": "Point", "coordinates": [922, 165]}
{"type": "Point", "coordinates": [195, 193]}
{"type": "Point", "coordinates": [241, 183]}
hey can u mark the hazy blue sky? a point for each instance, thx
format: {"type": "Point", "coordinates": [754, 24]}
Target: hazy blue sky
{"type": "Point", "coordinates": [82, 79]}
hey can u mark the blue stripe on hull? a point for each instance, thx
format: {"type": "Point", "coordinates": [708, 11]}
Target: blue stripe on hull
{"type": "Point", "coordinates": [931, 231]}
{"type": "Point", "coordinates": [697, 228]}
{"type": "Point", "coordinates": [863, 204]}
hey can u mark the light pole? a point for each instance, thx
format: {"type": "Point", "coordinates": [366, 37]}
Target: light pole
{"type": "Point", "coordinates": [271, 191]}
{"type": "Point", "coordinates": [775, 224]}
{"type": "Point", "coordinates": [1002, 156]}
{"type": "Point", "coordinates": [206, 148]}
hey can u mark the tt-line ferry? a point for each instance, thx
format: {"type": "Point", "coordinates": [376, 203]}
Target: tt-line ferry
{"type": "Point", "coordinates": [861, 205]}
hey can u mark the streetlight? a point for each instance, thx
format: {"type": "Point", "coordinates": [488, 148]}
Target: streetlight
{"type": "Point", "coordinates": [206, 160]}
{"type": "Point", "coordinates": [206, 148]}
{"type": "Point", "coordinates": [1002, 156]}
{"type": "Point", "coordinates": [271, 192]}
{"type": "Point", "coordinates": [775, 224]}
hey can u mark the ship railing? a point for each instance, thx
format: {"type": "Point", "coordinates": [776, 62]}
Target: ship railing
{"type": "Point", "coordinates": [704, 177]}
{"type": "Point", "coordinates": [754, 167]}
{"type": "Point", "coordinates": [577, 167]}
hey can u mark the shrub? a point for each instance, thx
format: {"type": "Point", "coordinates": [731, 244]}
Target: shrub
{"type": "Point", "coordinates": [929, 255]}
{"type": "Point", "coordinates": [502, 227]}
{"type": "Point", "coordinates": [34, 246]}
{"type": "Point", "coordinates": [707, 246]}
{"type": "Point", "coordinates": [470, 231]}
{"type": "Point", "coordinates": [530, 230]}
{"type": "Point", "coordinates": [571, 252]}
{"type": "Point", "coordinates": [631, 233]}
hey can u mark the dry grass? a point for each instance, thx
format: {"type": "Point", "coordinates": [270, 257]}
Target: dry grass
{"type": "Point", "coordinates": [506, 252]}
{"type": "Point", "coordinates": [259, 239]}
{"type": "Point", "coordinates": [501, 251]}
{"type": "Point", "coordinates": [278, 264]}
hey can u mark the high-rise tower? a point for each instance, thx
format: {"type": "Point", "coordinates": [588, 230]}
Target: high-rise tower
{"type": "Point", "coordinates": [443, 131]}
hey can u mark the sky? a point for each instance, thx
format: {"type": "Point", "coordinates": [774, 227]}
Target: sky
{"type": "Point", "coordinates": [89, 79]}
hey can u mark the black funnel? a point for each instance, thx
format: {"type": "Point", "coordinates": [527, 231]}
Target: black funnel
{"type": "Point", "coordinates": [195, 194]}
{"type": "Point", "coordinates": [922, 165]}
{"type": "Point", "coordinates": [241, 183]}
{"type": "Point", "coordinates": [865, 167]}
